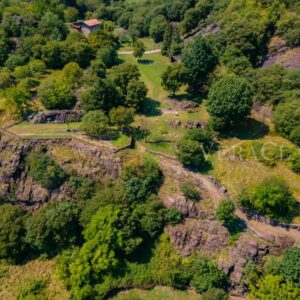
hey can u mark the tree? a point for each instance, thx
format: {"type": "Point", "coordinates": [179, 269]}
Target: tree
{"type": "Point", "coordinates": [157, 28]}
{"type": "Point", "coordinates": [108, 55]}
{"type": "Point", "coordinates": [121, 116]}
{"type": "Point", "coordinates": [56, 94]}
{"type": "Point", "coordinates": [229, 102]}
{"type": "Point", "coordinates": [95, 123]}
{"type": "Point", "coordinates": [175, 76]}
{"type": "Point", "coordinates": [290, 265]}
{"type": "Point", "coordinates": [286, 119]}
{"type": "Point", "coordinates": [225, 211]}
{"type": "Point", "coordinates": [53, 27]}
{"type": "Point", "coordinates": [53, 227]}
{"type": "Point", "coordinates": [190, 154]}
{"type": "Point", "coordinates": [138, 49]}
{"type": "Point", "coordinates": [72, 73]}
{"type": "Point", "coordinates": [12, 231]}
{"type": "Point", "coordinates": [15, 60]}
{"type": "Point", "coordinates": [45, 171]}
{"type": "Point", "coordinates": [102, 94]}
{"type": "Point", "coordinates": [4, 49]}
{"type": "Point", "coordinates": [18, 101]}
{"type": "Point", "coordinates": [274, 287]}
{"type": "Point", "coordinates": [199, 59]}
{"type": "Point", "coordinates": [271, 198]}
{"type": "Point", "coordinates": [51, 54]}
{"type": "Point", "coordinates": [205, 275]}
{"type": "Point", "coordinates": [136, 94]}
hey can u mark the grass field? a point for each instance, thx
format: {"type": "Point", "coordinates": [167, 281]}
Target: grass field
{"type": "Point", "coordinates": [148, 42]}
{"type": "Point", "coordinates": [158, 293]}
{"type": "Point", "coordinates": [15, 277]}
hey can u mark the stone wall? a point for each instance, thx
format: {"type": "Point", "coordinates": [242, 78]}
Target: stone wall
{"type": "Point", "coordinates": [56, 116]}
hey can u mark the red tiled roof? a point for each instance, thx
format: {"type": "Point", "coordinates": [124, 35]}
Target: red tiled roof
{"type": "Point", "coordinates": [92, 22]}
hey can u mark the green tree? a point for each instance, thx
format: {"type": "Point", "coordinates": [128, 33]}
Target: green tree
{"type": "Point", "coordinates": [136, 94]}
{"type": "Point", "coordinates": [72, 74]}
{"type": "Point", "coordinates": [138, 49]}
{"type": "Point", "coordinates": [275, 288]}
{"type": "Point", "coordinates": [204, 136]}
{"type": "Point", "coordinates": [286, 119]}
{"type": "Point", "coordinates": [12, 232]}
{"type": "Point", "coordinates": [225, 211]}
{"type": "Point", "coordinates": [175, 76]}
{"type": "Point", "coordinates": [290, 265]}
{"type": "Point", "coordinates": [18, 101]}
{"type": "Point", "coordinates": [229, 102]}
{"type": "Point", "coordinates": [56, 94]}
{"type": "Point", "coordinates": [199, 59]}
{"type": "Point", "coordinates": [190, 154]}
{"type": "Point", "coordinates": [95, 123]}
{"type": "Point", "coordinates": [157, 28]}
{"type": "Point", "coordinates": [102, 94]}
{"type": "Point", "coordinates": [271, 198]}
{"type": "Point", "coordinates": [121, 117]}
{"type": "Point", "coordinates": [15, 60]}
{"type": "Point", "coordinates": [53, 227]}
{"type": "Point", "coordinates": [108, 55]}
{"type": "Point", "coordinates": [45, 171]}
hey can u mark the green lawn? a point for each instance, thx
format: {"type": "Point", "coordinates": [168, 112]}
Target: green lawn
{"type": "Point", "coordinates": [47, 130]}
{"type": "Point", "coordinates": [158, 293]}
{"type": "Point", "coordinates": [148, 42]}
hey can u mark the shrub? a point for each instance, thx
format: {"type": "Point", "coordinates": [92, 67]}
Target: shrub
{"type": "Point", "coordinates": [95, 123]}
{"type": "Point", "coordinates": [45, 171]}
{"type": "Point", "coordinates": [12, 232]}
{"type": "Point", "coordinates": [271, 198]}
{"type": "Point", "coordinates": [56, 94]}
{"type": "Point", "coordinates": [215, 294]}
{"type": "Point", "coordinates": [290, 265]}
{"type": "Point", "coordinates": [225, 211]}
{"type": "Point", "coordinates": [190, 154]}
{"type": "Point", "coordinates": [294, 162]}
{"type": "Point", "coordinates": [54, 227]}
{"type": "Point", "coordinates": [189, 191]}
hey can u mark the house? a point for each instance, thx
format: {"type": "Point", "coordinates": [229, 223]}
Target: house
{"type": "Point", "coordinates": [88, 26]}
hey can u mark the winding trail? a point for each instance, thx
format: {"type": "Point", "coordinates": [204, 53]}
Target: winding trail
{"type": "Point", "coordinates": [130, 52]}
{"type": "Point", "coordinates": [172, 168]}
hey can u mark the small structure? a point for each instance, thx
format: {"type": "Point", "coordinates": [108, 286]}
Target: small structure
{"type": "Point", "coordinates": [88, 26]}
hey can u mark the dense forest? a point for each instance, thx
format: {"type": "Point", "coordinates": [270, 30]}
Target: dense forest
{"type": "Point", "coordinates": [149, 143]}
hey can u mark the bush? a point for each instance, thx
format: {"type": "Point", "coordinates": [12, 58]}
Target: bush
{"type": "Point", "coordinates": [45, 171]}
{"type": "Point", "coordinates": [225, 211]}
{"type": "Point", "coordinates": [54, 227]}
{"type": "Point", "coordinates": [190, 154]}
{"type": "Point", "coordinates": [215, 294]}
{"type": "Point", "coordinates": [56, 94]}
{"type": "Point", "coordinates": [189, 191]}
{"type": "Point", "coordinates": [95, 123]}
{"type": "Point", "coordinates": [12, 231]}
{"type": "Point", "coordinates": [271, 198]}
{"type": "Point", "coordinates": [294, 162]}
{"type": "Point", "coordinates": [290, 265]}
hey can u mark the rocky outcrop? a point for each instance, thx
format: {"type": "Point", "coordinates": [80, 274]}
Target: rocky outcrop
{"type": "Point", "coordinates": [73, 155]}
{"type": "Point", "coordinates": [56, 116]}
{"type": "Point", "coordinates": [195, 236]}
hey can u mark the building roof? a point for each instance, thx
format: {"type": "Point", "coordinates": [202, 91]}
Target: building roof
{"type": "Point", "coordinates": [92, 22]}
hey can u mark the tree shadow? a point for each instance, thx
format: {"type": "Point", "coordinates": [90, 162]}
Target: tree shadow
{"type": "Point", "coordinates": [235, 226]}
{"type": "Point", "coordinates": [139, 133]}
{"type": "Point", "coordinates": [151, 108]}
{"type": "Point", "coordinates": [145, 61]}
{"type": "Point", "coordinates": [249, 130]}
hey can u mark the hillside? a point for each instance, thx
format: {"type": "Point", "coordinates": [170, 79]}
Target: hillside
{"type": "Point", "coordinates": [149, 149]}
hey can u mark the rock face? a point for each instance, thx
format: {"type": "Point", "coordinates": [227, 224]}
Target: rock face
{"type": "Point", "coordinates": [56, 116]}
{"type": "Point", "coordinates": [195, 235]}
{"type": "Point", "coordinates": [247, 249]}
{"type": "Point", "coordinates": [71, 154]}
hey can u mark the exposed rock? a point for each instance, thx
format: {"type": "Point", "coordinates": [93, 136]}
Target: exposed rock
{"type": "Point", "coordinates": [195, 235]}
{"type": "Point", "coordinates": [56, 116]}
{"type": "Point", "coordinates": [247, 249]}
{"type": "Point", "coordinates": [174, 123]}
{"type": "Point", "coordinates": [185, 207]}
{"type": "Point", "coordinates": [182, 104]}
{"type": "Point", "coordinates": [195, 124]}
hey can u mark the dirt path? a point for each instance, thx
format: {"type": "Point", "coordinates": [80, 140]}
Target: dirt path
{"type": "Point", "coordinates": [130, 52]}
{"type": "Point", "coordinates": [217, 193]}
